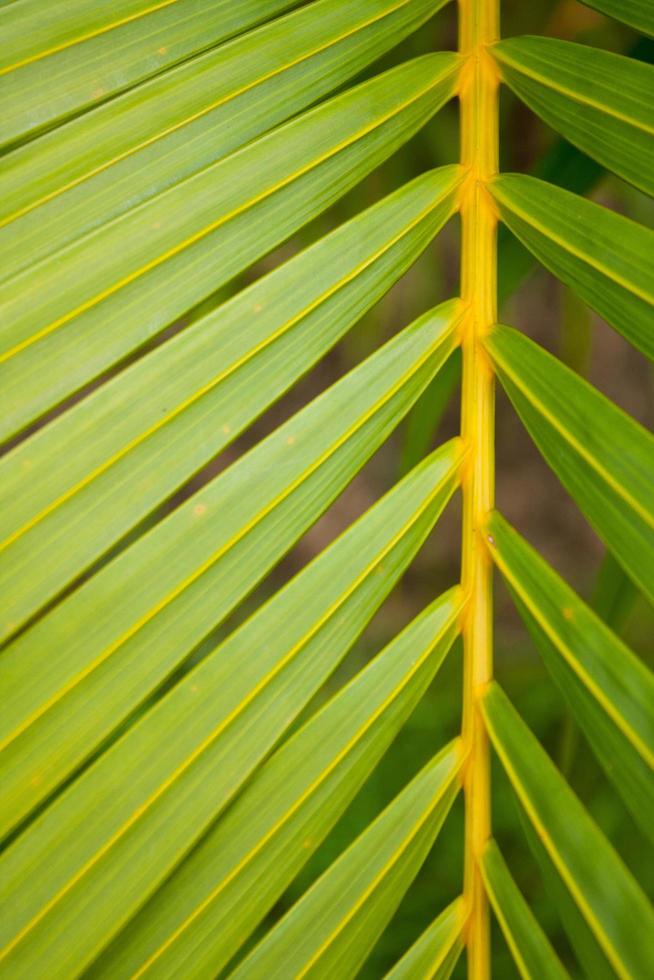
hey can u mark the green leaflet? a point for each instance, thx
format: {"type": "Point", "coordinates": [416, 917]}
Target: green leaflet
{"type": "Point", "coordinates": [619, 915]}
{"type": "Point", "coordinates": [90, 661]}
{"type": "Point", "coordinates": [332, 928]}
{"type": "Point", "coordinates": [604, 257]}
{"type": "Point", "coordinates": [638, 13]}
{"type": "Point", "coordinates": [601, 455]}
{"type": "Point", "coordinates": [58, 60]}
{"type": "Point", "coordinates": [609, 690]}
{"type": "Point", "coordinates": [594, 98]}
{"type": "Point", "coordinates": [136, 439]}
{"type": "Point", "coordinates": [32, 29]}
{"type": "Point", "coordinates": [564, 164]}
{"type": "Point", "coordinates": [200, 917]}
{"type": "Point", "coordinates": [584, 944]}
{"type": "Point", "coordinates": [169, 776]}
{"type": "Point", "coordinates": [104, 163]}
{"type": "Point", "coordinates": [530, 947]}
{"type": "Point", "coordinates": [77, 312]}
{"type": "Point", "coordinates": [434, 954]}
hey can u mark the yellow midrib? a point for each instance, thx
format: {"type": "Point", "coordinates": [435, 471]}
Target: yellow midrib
{"type": "Point", "coordinates": [478, 29]}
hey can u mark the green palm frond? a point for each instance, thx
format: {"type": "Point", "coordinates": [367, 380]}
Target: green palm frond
{"type": "Point", "coordinates": [172, 755]}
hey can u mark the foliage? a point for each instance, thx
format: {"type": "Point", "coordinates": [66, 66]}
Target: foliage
{"type": "Point", "coordinates": [168, 772]}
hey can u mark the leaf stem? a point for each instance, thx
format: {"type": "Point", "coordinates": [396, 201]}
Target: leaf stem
{"type": "Point", "coordinates": [478, 28]}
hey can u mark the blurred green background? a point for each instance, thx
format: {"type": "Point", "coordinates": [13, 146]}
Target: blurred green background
{"type": "Point", "coordinates": [527, 492]}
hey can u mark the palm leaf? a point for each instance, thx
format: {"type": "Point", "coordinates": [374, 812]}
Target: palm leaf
{"type": "Point", "coordinates": [531, 949]}
{"type": "Point", "coordinates": [202, 915]}
{"type": "Point", "coordinates": [637, 13]}
{"type": "Point", "coordinates": [602, 256]}
{"type": "Point", "coordinates": [587, 949]}
{"type": "Point", "coordinates": [183, 120]}
{"type": "Point", "coordinates": [224, 718]}
{"type": "Point", "coordinates": [611, 693]}
{"type": "Point", "coordinates": [164, 253]}
{"type": "Point", "coordinates": [49, 51]}
{"type": "Point", "coordinates": [166, 771]}
{"type": "Point", "coordinates": [141, 625]}
{"type": "Point", "coordinates": [601, 455]}
{"type": "Point", "coordinates": [621, 918]}
{"type": "Point", "coordinates": [335, 924]}
{"type": "Point", "coordinates": [593, 98]}
{"type": "Point", "coordinates": [434, 954]}
{"type": "Point", "coordinates": [230, 366]}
